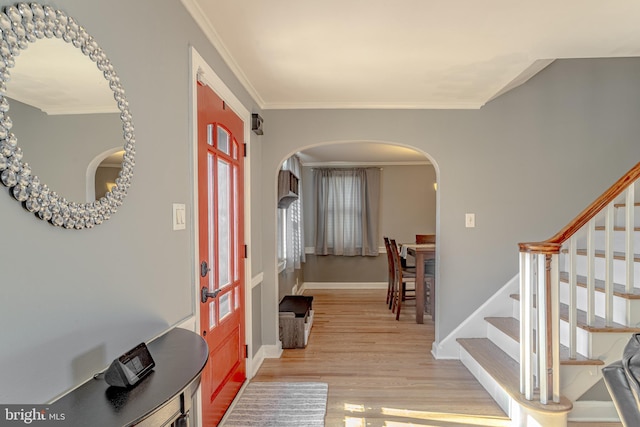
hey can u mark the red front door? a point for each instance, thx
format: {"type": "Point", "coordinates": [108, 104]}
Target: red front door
{"type": "Point", "coordinates": [221, 252]}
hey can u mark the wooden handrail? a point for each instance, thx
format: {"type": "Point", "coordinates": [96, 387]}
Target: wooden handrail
{"type": "Point", "coordinates": [553, 244]}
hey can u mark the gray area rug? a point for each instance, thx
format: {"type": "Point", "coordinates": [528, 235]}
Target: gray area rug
{"type": "Point", "coordinates": [280, 404]}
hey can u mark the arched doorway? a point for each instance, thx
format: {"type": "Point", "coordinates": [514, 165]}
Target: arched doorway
{"type": "Point", "coordinates": [408, 207]}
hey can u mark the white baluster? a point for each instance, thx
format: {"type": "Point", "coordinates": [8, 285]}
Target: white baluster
{"type": "Point", "coordinates": [573, 305]}
{"type": "Point", "coordinates": [608, 259]}
{"type": "Point", "coordinates": [630, 240]}
{"type": "Point", "coordinates": [542, 331]}
{"type": "Point", "coordinates": [555, 326]}
{"type": "Point", "coordinates": [526, 315]}
{"type": "Point", "coordinates": [591, 272]}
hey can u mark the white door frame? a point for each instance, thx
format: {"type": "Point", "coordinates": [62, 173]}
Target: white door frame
{"type": "Point", "coordinates": [201, 71]}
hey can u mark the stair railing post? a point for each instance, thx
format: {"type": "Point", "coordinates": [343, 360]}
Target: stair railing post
{"type": "Point", "coordinates": [526, 325]}
{"type": "Point", "coordinates": [548, 328]}
{"type": "Point", "coordinates": [573, 298]}
{"type": "Point", "coordinates": [609, 259]}
{"type": "Point", "coordinates": [630, 225]}
{"type": "Point", "coordinates": [543, 332]}
{"type": "Point", "coordinates": [554, 309]}
{"type": "Point", "coordinates": [591, 273]}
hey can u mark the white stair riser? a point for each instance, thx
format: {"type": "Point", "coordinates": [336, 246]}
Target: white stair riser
{"type": "Point", "coordinates": [619, 241]}
{"type": "Point", "coordinates": [622, 307]}
{"type": "Point", "coordinates": [605, 346]}
{"type": "Point", "coordinates": [501, 397]}
{"type": "Point", "coordinates": [507, 404]}
{"type": "Point", "coordinates": [620, 216]}
{"type": "Point", "coordinates": [504, 341]}
{"type": "Point", "coordinates": [619, 269]}
{"type": "Point", "coordinates": [574, 379]}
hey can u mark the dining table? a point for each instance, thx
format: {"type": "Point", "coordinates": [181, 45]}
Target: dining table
{"type": "Point", "coordinates": [421, 253]}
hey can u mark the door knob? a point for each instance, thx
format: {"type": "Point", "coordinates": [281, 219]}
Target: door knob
{"type": "Point", "coordinates": [205, 294]}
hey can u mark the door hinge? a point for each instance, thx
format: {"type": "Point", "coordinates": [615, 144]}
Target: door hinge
{"type": "Point", "coordinates": [244, 149]}
{"type": "Point", "coordinates": [246, 251]}
{"type": "Point", "coordinates": [246, 351]}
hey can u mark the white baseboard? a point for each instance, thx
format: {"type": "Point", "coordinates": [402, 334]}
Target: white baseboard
{"type": "Point", "coordinates": [345, 285]}
{"type": "Point", "coordinates": [189, 323]}
{"type": "Point", "coordinates": [272, 351]}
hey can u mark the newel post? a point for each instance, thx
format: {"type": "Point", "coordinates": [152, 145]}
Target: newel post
{"type": "Point", "coordinates": [539, 321]}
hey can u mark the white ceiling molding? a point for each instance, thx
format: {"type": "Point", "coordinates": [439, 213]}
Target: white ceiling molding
{"type": "Point", "coordinates": [531, 71]}
{"type": "Point", "coordinates": [205, 25]}
{"type": "Point", "coordinates": [338, 164]}
{"type": "Point", "coordinates": [456, 54]}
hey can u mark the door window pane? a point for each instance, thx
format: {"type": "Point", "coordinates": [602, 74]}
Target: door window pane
{"type": "Point", "coordinates": [210, 135]}
{"type": "Point", "coordinates": [236, 241]}
{"type": "Point", "coordinates": [223, 140]}
{"type": "Point", "coordinates": [212, 314]}
{"type": "Point", "coordinates": [224, 223]}
{"type": "Point", "coordinates": [225, 305]}
{"type": "Point", "coordinates": [210, 221]}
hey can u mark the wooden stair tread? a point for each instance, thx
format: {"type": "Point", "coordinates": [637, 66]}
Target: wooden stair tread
{"type": "Point", "coordinates": [598, 326]}
{"type": "Point", "coordinates": [511, 327]}
{"type": "Point", "coordinates": [506, 372]}
{"type": "Point", "coordinates": [599, 323]}
{"type": "Point", "coordinates": [622, 205]}
{"type": "Point", "coordinates": [616, 255]}
{"type": "Point", "coordinates": [618, 289]}
{"type": "Point", "coordinates": [616, 228]}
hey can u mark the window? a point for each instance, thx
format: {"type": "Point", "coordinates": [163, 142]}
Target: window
{"type": "Point", "coordinates": [290, 225]}
{"type": "Point", "coordinates": [347, 209]}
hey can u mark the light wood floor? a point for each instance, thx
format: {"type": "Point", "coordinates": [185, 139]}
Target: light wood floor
{"type": "Point", "coordinates": [380, 371]}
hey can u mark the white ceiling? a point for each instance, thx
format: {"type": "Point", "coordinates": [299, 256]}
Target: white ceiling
{"type": "Point", "coordinates": [361, 153]}
{"type": "Point", "coordinates": [406, 53]}
{"type": "Point", "coordinates": [58, 78]}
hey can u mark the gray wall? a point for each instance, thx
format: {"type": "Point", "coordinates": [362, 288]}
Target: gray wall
{"type": "Point", "coordinates": [67, 143]}
{"type": "Point", "coordinates": [525, 164]}
{"type": "Point", "coordinates": [74, 300]}
{"type": "Point", "coordinates": [407, 208]}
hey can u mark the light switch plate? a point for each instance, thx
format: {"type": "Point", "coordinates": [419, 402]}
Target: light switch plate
{"type": "Point", "coordinates": [470, 220]}
{"type": "Point", "coordinates": [179, 216]}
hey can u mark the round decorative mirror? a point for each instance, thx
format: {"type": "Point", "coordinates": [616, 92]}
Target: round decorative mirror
{"type": "Point", "coordinates": [21, 25]}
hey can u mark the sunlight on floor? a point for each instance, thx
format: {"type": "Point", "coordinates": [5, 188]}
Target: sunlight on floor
{"type": "Point", "coordinates": [353, 408]}
{"type": "Point", "coordinates": [454, 419]}
{"type": "Point", "coordinates": [404, 417]}
{"type": "Point", "coordinates": [354, 422]}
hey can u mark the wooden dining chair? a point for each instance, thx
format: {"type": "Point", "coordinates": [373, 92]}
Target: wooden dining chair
{"type": "Point", "coordinates": [430, 287]}
{"type": "Point", "coordinates": [391, 271]}
{"type": "Point", "coordinates": [402, 278]}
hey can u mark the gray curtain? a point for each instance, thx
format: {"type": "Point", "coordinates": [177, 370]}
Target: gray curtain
{"type": "Point", "coordinates": [347, 211]}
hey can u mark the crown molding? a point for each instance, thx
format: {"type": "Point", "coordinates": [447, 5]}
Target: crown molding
{"type": "Point", "coordinates": [363, 164]}
{"type": "Point", "coordinates": [371, 106]}
{"type": "Point", "coordinates": [205, 25]}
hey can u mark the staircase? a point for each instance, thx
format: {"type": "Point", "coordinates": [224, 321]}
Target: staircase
{"type": "Point", "coordinates": [577, 297]}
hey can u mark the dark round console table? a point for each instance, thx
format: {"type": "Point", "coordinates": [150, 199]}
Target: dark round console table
{"type": "Point", "coordinates": [161, 398]}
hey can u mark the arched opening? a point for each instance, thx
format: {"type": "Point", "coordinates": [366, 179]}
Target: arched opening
{"type": "Point", "coordinates": [102, 173]}
{"type": "Point", "coordinates": [407, 208]}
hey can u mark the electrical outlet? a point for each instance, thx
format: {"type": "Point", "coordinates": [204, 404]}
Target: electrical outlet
{"type": "Point", "coordinates": [470, 220]}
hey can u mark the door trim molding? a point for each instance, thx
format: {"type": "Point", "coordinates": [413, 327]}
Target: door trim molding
{"type": "Point", "coordinates": [200, 69]}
